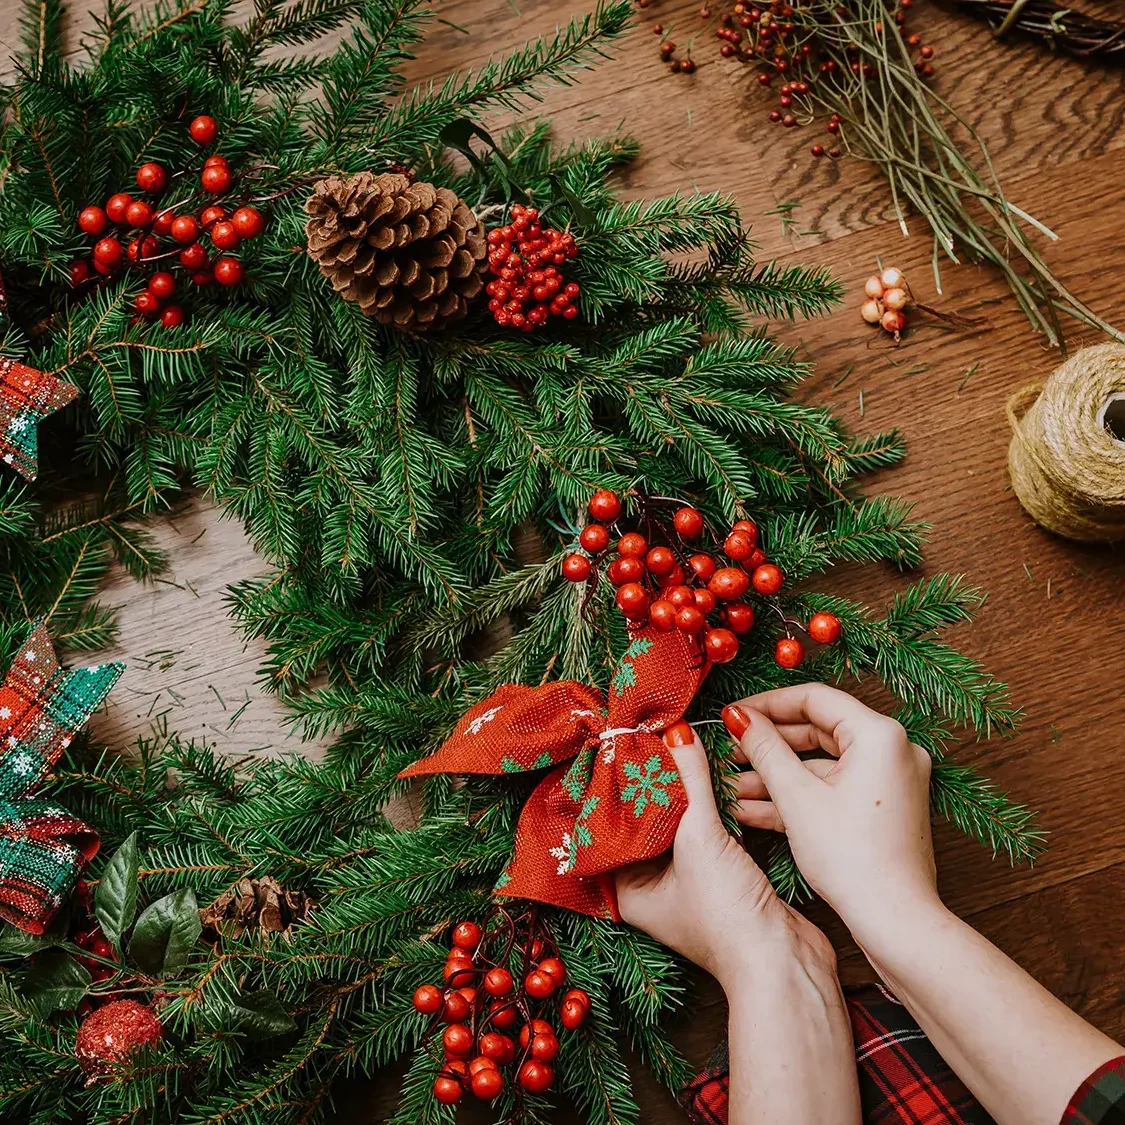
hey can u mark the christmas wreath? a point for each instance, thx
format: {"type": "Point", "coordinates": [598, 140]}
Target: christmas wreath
{"type": "Point", "coordinates": [407, 355]}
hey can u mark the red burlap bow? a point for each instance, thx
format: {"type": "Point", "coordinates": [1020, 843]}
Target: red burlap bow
{"type": "Point", "coordinates": [615, 796]}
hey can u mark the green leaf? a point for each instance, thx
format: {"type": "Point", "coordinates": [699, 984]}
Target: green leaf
{"type": "Point", "coordinates": [15, 942]}
{"type": "Point", "coordinates": [55, 982]}
{"type": "Point", "coordinates": [116, 901]}
{"type": "Point", "coordinates": [260, 1015]}
{"type": "Point", "coordinates": [166, 932]}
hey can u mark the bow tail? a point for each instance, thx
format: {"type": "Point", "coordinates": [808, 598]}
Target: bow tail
{"type": "Point", "coordinates": [553, 831]}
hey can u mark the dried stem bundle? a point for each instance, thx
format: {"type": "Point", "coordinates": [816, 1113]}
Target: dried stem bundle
{"type": "Point", "coordinates": [1062, 28]}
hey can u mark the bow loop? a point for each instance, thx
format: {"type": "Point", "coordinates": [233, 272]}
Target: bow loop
{"type": "Point", "coordinates": [614, 797]}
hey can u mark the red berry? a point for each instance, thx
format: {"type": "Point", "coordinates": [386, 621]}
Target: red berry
{"type": "Point", "coordinates": [498, 982]}
{"type": "Point", "coordinates": [704, 601]}
{"type": "Point", "coordinates": [594, 538]}
{"type": "Point", "coordinates": [92, 220]}
{"type": "Point", "coordinates": [632, 545]}
{"type": "Point", "coordinates": [216, 160]}
{"type": "Point", "coordinates": [427, 999]}
{"type": "Point", "coordinates": [211, 215]}
{"type": "Point", "coordinates": [604, 506]}
{"type": "Point", "coordinates": [680, 596]}
{"type": "Point", "coordinates": [544, 1048]}
{"type": "Point", "coordinates": [662, 615]}
{"type": "Point", "coordinates": [162, 285]}
{"type": "Point", "coordinates": [108, 252]}
{"type": "Point", "coordinates": [503, 1014]}
{"type": "Point", "coordinates": [481, 1062]}
{"type": "Point", "coordinates": [625, 570]}
{"type": "Point", "coordinates": [151, 177]}
{"type": "Point", "coordinates": [487, 1083]}
{"type": "Point", "coordinates": [495, 1046]}
{"type": "Point", "coordinates": [102, 269]}
{"type": "Point", "coordinates": [633, 601]}
{"type": "Point", "coordinates": [540, 985]}
{"type": "Point", "coordinates": [202, 278]}
{"type": "Point", "coordinates": [535, 1027]}
{"type": "Point", "coordinates": [674, 577]}
{"type": "Point", "coordinates": [703, 567]}
{"type": "Point", "coordinates": [146, 302]}
{"type": "Point", "coordinates": [141, 249]}
{"type": "Point", "coordinates": [721, 645]}
{"type": "Point", "coordinates": [755, 560]}
{"type": "Point", "coordinates": [789, 652]}
{"type": "Point", "coordinates": [78, 272]}
{"type": "Point", "coordinates": [203, 130]}
{"type": "Point", "coordinates": [824, 627]}
{"type": "Point", "coordinates": [688, 523]}
{"type": "Point", "coordinates": [690, 620]}
{"type": "Point", "coordinates": [193, 257]}
{"type": "Point", "coordinates": [447, 1090]}
{"type": "Point", "coordinates": [768, 579]}
{"type": "Point", "coordinates": [660, 561]}
{"type": "Point", "coordinates": [466, 936]}
{"type": "Point", "coordinates": [458, 971]}
{"type": "Point", "coordinates": [738, 546]}
{"type": "Point", "coordinates": [576, 568]}
{"type": "Point", "coordinates": [456, 1008]}
{"type": "Point", "coordinates": [555, 969]}
{"type": "Point", "coordinates": [536, 1077]}
{"type": "Point", "coordinates": [573, 1014]}
{"type": "Point", "coordinates": [117, 205]}
{"type": "Point", "coordinates": [224, 236]}
{"type": "Point", "coordinates": [457, 1039]}
{"type": "Point", "coordinates": [729, 583]}
{"type": "Point", "coordinates": [578, 995]}
{"type": "Point", "coordinates": [184, 230]}
{"type": "Point", "coordinates": [172, 316]}
{"type": "Point", "coordinates": [228, 271]}
{"type": "Point", "coordinates": [216, 179]}
{"type": "Point", "coordinates": [248, 222]}
{"type": "Point", "coordinates": [749, 527]}
{"type": "Point", "coordinates": [739, 617]}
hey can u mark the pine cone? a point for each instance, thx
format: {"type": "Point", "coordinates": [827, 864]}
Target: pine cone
{"type": "Point", "coordinates": [410, 255]}
{"type": "Point", "coordinates": [258, 904]}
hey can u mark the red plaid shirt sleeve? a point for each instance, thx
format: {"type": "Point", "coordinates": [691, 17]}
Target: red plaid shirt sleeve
{"type": "Point", "coordinates": [1100, 1100]}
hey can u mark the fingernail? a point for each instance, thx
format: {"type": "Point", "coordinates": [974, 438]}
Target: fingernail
{"type": "Point", "coordinates": [679, 734]}
{"type": "Point", "coordinates": [736, 720]}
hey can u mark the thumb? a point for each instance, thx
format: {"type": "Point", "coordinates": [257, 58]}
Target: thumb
{"type": "Point", "coordinates": [784, 774]}
{"type": "Point", "coordinates": [694, 769]}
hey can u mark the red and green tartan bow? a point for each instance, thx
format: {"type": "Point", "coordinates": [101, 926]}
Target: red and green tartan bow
{"type": "Point", "coordinates": [615, 796]}
{"type": "Point", "coordinates": [43, 848]}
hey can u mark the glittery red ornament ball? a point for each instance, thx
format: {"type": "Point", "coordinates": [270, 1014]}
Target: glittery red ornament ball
{"type": "Point", "coordinates": [112, 1033]}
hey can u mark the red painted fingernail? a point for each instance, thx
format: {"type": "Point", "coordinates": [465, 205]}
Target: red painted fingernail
{"type": "Point", "coordinates": [679, 734]}
{"type": "Point", "coordinates": [736, 720]}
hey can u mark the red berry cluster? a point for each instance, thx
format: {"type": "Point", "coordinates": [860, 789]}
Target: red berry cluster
{"type": "Point", "coordinates": [524, 258]}
{"type": "Point", "coordinates": [665, 587]}
{"type": "Point", "coordinates": [148, 224]}
{"type": "Point", "coordinates": [482, 1006]}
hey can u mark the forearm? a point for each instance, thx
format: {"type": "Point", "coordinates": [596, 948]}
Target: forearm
{"type": "Point", "coordinates": [791, 1053]}
{"type": "Point", "coordinates": [1020, 1050]}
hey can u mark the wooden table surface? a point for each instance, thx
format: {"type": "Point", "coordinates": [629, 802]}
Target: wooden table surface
{"type": "Point", "coordinates": [1053, 626]}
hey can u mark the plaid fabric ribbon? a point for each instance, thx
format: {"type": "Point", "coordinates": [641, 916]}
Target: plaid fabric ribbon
{"type": "Point", "coordinates": [43, 848]}
{"type": "Point", "coordinates": [614, 796]}
{"type": "Point", "coordinates": [26, 396]}
{"type": "Point", "coordinates": [902, 1078]}
{"type": "Point", "coordinates": [1100, 1100]}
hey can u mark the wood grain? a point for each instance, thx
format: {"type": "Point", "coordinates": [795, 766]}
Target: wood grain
{"type": "Point", "coordinates": [1053, 627]}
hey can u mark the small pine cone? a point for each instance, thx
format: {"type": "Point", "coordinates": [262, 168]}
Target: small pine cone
{"type": "Point", "coordinates": [410, 254]}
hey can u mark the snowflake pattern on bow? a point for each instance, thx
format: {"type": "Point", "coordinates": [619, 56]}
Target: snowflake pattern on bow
{"type": "Point", "coordinates": [477, 725]}
{"type": "Point", "coordinates": [646, 784]}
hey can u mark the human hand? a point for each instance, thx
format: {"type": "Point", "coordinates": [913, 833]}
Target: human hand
{"type": "Point", "coordinates": [858, 823]}
{"type": "Point", "coordinates": [710, 901]}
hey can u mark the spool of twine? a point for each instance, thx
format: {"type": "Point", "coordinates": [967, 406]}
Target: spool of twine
{"type": "Point", "coordinates": [1067, 456]}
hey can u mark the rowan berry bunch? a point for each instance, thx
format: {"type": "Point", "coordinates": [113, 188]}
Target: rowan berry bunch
{"type": "Point", "coordinates": [672, 584]}
{"type": "Point", "coordinates": [524, 259]}
{"type": "Point", "coordinates": [160, 240]}
{"type": "Point", "coordinates": [887, 297]}
{"type": "Point", "coordinates": [503, 979]}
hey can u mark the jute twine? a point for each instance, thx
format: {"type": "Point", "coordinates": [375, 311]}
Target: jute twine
{"type": "Point", "coordinates": [1067, 456]}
